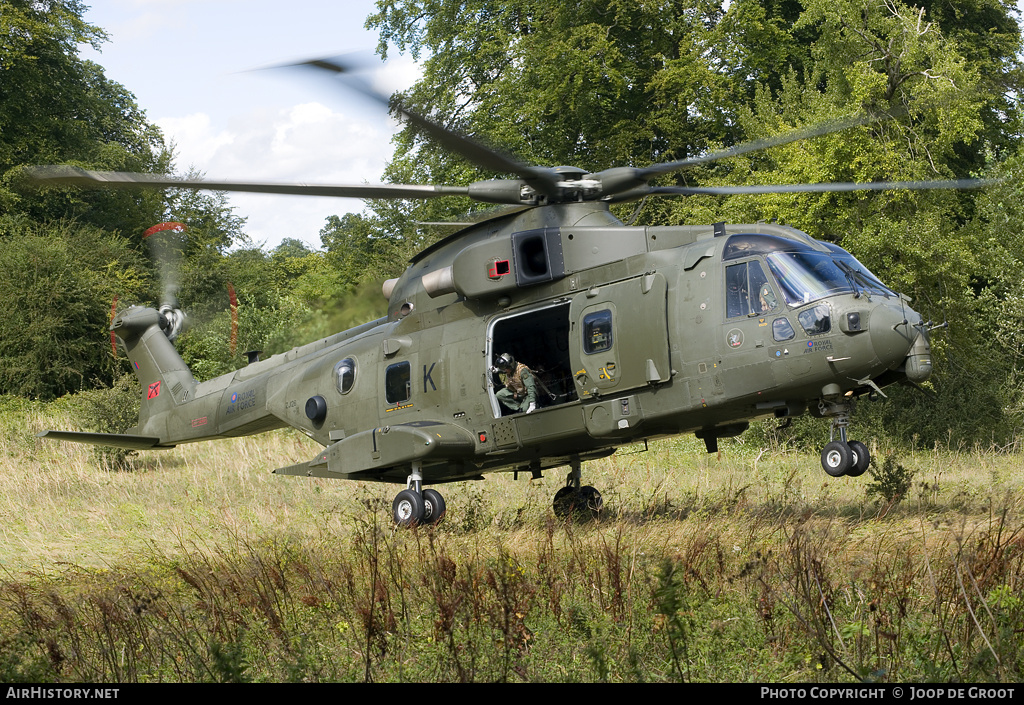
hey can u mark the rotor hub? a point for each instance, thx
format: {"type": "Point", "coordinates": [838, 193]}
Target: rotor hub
{"type": "Point", "coordinates": [172, 321]}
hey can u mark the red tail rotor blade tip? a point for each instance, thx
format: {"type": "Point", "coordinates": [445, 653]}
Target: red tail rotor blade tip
{"type": "Point", "coordinates": [164, 226]}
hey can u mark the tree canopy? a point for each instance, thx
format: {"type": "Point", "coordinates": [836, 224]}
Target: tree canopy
{"type": "Point", "coordinates": [70, 255]}
{"type": "Point", "coordinates": [57, 108]}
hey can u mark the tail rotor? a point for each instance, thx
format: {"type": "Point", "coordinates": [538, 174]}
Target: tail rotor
{"type": "Point", "coordinates": [168, 258]}
{"type": "Point", "coordinates": [166, 251]}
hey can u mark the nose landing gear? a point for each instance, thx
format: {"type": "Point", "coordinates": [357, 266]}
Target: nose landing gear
{"type": "Point", "coordinates": [842, 457]}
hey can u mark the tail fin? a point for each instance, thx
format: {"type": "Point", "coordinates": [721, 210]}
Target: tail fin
{"type": "Point", "coordinates": [165, 378]}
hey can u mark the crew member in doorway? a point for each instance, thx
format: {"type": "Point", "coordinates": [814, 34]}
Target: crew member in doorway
{"type": "Point", "coordinates": [520, 391]}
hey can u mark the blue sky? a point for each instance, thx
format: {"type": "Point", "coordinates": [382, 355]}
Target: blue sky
{"type": "Point", "coordinates": [189, 64]}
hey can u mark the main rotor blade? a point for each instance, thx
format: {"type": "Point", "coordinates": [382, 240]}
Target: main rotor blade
{"type": "Point", "coordinates": [803, 188]}
{"type": "Point", "coordinates": [541, 178]}
{"type": "Point", "coordinates": [826, 128]}
{"type": "Point", "coordinates": [620, 180]}
{"type": "Point", "coordinates": [74, 176]}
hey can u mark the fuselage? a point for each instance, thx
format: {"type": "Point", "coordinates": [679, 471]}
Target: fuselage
{"type": "Point", "coordinates": [633, 333]}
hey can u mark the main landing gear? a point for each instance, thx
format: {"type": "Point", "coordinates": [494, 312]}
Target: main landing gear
{"type": "Point", "coordinates": [574, 501]}
{"type": "Point", "coordinates": [414, 505]}
{"type": "Point", "coordinates": [842, 457]}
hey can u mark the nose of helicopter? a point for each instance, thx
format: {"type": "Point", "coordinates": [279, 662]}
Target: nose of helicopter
{"type": "Point", "coordinates": [899, 339]}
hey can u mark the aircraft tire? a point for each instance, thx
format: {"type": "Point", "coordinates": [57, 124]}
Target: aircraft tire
{"type": "Point", "coordinates": [563, 502]}
{"type": "Point", "coordinates": [836, 458]}
{"type": "Point", "coordinates": [583, 503]}
{"type": "Point", "coordinates": [861, 459]}
{"type": "Point", "coordinates": [407, 509]}
{"type": "Point", "coordinates": [590, 501]}
{"type": "Point", "coordinates": [434, 507]}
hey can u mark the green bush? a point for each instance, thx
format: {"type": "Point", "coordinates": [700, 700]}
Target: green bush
{"type": "Point", "coordinates": [113, 410]}
{"type": "Point", "coordinates": [891, 482]}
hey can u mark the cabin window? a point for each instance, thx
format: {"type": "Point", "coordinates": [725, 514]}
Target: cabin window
{"type": "Point", "coordinates": [398, 383]}
{"type": "Point", "coordinates": [597, 332]}
{"type": "Point", "coordinates": [345, 375]}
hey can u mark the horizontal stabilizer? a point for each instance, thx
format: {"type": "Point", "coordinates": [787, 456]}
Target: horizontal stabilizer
{"type": "Point", "coordinates": [114, 440]}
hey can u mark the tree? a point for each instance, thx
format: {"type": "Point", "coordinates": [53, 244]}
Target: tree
{"type": "Point", "coordinates": [57, 108]}
{"type": "Point", "coordinates": [895, 59]}
{"type": "Point", "coordinates": [68, 253]}
{"type": "Point", "coordinates": [212, 224]}
{"type": "Point", "coordinates": [58, 284]}
{"type": "Point", "coordinates": [358, 248]}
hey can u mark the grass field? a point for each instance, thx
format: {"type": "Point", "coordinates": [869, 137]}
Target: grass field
{"type": "Point", "coordinates": [197, 564]}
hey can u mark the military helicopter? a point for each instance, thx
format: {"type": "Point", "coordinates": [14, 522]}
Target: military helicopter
{"type": "Point", "coordinates": [631, 333]}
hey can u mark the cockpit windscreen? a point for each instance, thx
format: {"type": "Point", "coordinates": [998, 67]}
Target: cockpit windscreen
{"type": "Point", "coordinates": [808, 276]}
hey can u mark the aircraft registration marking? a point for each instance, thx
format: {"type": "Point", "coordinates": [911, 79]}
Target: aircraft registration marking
{"type": "Point", "coordinates": [427, 378]}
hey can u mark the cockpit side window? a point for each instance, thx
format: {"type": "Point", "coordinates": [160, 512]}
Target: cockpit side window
{"type": "Point", "coordinates": [763, 297]}
{"type": "Point", "coordinates": [817, 320]}
{"type": "Point", "coordinates": [747, 290]}
{"type": "Point", "coordinates": [782, 330]}
{"type": "Point", "coordinates": [737, 300]}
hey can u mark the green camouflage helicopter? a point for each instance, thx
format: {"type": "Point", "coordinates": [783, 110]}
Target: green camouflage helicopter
{"type": "Point", "coordinates": [630, 333]}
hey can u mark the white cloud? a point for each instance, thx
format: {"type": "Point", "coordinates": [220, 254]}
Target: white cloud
{"type": "Point", "coordinates": [189, 64]}
{"type": "Point", "coordinates": [193, 138]}
{"type": "Point", "coordinates": [305, 143]}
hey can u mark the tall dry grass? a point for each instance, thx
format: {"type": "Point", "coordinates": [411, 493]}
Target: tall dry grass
{"type": "Point", "coordinates": [198, 564]}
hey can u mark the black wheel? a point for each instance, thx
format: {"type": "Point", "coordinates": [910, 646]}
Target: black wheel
{"type": "Point", "coordinates": [836, 458]}
{"type": "Point", "coordinates": [563, 502]}
{"type": "Point", "coordinates": [584, 503]}
{"type": "Point", "coordinates": [433, 507]}
{"type": "Point", "coordinates": [589, 502]}
{"type": "Point", "coordinates": [861, 459]}
{"type": "Point", "coordinates": [407, 509]}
